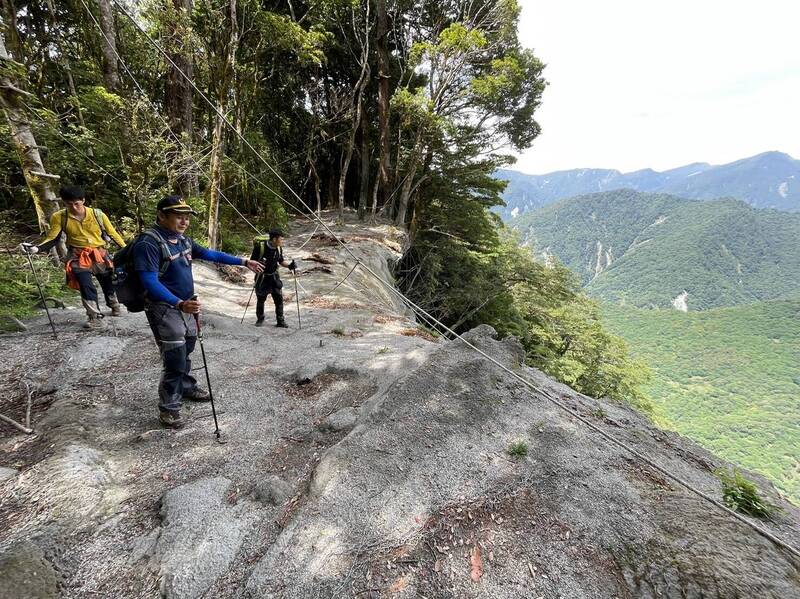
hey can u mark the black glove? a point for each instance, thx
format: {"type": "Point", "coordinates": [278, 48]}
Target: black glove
{"type": "Point", "coordinates": [292, 265]}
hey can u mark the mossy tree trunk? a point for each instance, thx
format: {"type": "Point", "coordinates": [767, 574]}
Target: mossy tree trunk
{"type": "Point", "coordinates": [40, 182]}
{"type": "Point", "coordinates": [226, 83]}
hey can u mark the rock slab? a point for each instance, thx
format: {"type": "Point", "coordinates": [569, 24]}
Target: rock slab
{"type": "Point", "coordinates": [26, 574]}
{"type": "Point", "coordinates": [7, 473]}
{"type": "Point", "coordinates": [200, 537]}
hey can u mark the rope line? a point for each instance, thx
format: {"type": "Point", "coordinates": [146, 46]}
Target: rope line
{"type": "Point", "coordinates": [157, 113]}
{"type": "Point", "coordinates": [390, 287]}
{"type": "Point", "coordinates": [314, 232]}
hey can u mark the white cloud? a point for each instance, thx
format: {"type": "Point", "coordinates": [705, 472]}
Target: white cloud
{"type": "Point", "coordinates": [637, 83]}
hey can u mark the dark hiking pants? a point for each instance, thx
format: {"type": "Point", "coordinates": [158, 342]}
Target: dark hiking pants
{"type": "Point", "coordinates": [176, 335]}
{"type": "Point", "coordinates": [89, 291]}
{"type": "Point", "coordinates": [269, 285]}
{"type": "Point", "coordinates": [277, 298]}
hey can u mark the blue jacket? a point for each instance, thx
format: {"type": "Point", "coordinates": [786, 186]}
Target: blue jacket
{"type": "Point", "coordinates": [177, 282]}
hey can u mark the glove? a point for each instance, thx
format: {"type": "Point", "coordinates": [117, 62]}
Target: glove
{"type": "Point", "coordinates": [28, 248]}
{"type": "Point", "coordinates": [292, 265]}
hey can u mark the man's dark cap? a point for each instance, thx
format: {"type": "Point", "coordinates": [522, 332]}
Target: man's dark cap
{"type": "Point", "coordinates": [174, 204]}
{"type": "Point", "coordinates": [70, 193]}
{"type": "Point", "coordinates": [276, 233]}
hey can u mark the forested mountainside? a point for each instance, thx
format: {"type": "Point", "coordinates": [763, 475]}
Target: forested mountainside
{"type": "Point", "coordinates": [726, 377]}
{"type": "Point", "coordinates": [656, 249]}
{"type": "Point", "coordinates": [768, 180]}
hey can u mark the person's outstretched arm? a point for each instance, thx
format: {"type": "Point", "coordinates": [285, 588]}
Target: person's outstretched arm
{"type": "Point", "coordinates": [52, 234]}
{"type": "Point", "coordinates": [203, 253]}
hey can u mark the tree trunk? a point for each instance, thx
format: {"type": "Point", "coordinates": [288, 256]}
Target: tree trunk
{"type": "Point", "coordinates": [348, 150]}
{"type": "Point", "coordinates": [348, 153]}
{"type": "Point", "coordinates": [40, 183]}
{"type": "Point", "coordinates": [219, 131]}
{"type": "Point", "coordinates": [315, 175]}
{"type": "Point", "coordinates": [178, 97]}
{"type": "Point", "coordinates": [364, 193]}
{"type": "Point", "coordinates": [216, 181]}
{"type": "Point", "coordinates": [358, 97]}
{"type": "Point", "coordinates": [411, 172]}
{"type": "Point", "coordinates": [382, 32]}
{"type": "Point", "coordinates": [109, 46]}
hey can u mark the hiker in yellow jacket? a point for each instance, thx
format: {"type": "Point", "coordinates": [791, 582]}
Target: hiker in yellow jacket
{"type": "Point", "coordinates": [88, 231]}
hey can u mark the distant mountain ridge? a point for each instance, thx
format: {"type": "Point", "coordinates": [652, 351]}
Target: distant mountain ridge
{"type": "Point", "coordinates": [768, 180]}
{"type": "Point", "coordinates": [659, 250]}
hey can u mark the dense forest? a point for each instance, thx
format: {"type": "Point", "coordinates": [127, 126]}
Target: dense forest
{"type": "Point", "coordinates": [725, 377]}
{"type": "Point", "coordinates": [260, 111]}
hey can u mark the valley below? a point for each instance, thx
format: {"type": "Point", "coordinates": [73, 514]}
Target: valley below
{"type": "Point", "coordinates": [727, 378]}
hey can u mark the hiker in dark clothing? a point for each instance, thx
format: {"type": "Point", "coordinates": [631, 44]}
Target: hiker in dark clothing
{"type": "Point", "coordinates": [171, 304]}
{"type": "Point", "coordinates": [269, 252]}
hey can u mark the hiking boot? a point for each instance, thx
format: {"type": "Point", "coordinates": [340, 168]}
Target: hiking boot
{"type": "Point", "coordinates": [197, 394]}
{"type": "Point", "coordinates": [171, 419]}
{"type": "Point", "coordinates": [281, 324]}
{"type": "Point", "coordinates": [113, 303]}
{"type": "Point", "coordinates": [94, 324]}
{"type": "Point", "coordinates": [260, 322]}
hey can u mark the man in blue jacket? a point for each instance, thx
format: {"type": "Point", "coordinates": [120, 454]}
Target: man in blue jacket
{"type": "Point", "coordinates": [169, 306]}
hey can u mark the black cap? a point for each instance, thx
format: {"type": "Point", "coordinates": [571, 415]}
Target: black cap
{"type": "Point", "coordinates": [276, 233]}
{"type": "Point", "coordinates": [174, 204]}
{"type": "Point", "coordinates": [70, 193]}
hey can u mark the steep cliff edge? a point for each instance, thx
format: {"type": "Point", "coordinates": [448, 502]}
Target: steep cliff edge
{"type": "Point", "coordinates": [363, 459]}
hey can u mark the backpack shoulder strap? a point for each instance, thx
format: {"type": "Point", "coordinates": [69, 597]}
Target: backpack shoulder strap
{"type": "Point", "coordinates": [261, 242]}
{"type": "Point", "coordinates": [166, 255]}
{"type": "Point", "coordinates": [98, 216]}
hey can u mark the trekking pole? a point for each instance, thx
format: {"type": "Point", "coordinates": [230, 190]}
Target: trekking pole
{"type": "Point", "coordinates": [41, 294]}
{"type": "Point", "coordinates": [297, 299]}
{"type": "Point", "coordinates": [250, 299]}
{"type": "Point", "coordinates": [208, 378]}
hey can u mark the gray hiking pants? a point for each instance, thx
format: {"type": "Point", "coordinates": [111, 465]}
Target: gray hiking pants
{"type": "Point", "coordinates": [176, 335]}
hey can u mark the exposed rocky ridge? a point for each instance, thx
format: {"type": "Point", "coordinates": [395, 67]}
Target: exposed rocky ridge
{"type": "Point", "coordinates": [364, 462]}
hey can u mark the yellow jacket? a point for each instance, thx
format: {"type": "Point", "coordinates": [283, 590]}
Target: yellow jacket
{"type": "Point", "coordinates": [80, 234]}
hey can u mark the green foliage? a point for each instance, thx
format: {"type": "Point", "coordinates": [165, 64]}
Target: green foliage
{"type": "Point", "coordinates": [517, 449]}
{"type": "Point", "coordinates": [647, 249]}
{"type": "Point", "coordinates": [18, 291]}
{"type": "Point", "coordinates": [742, 495]}
{"type": "Point", "coordinates": [726, 378]}
{"type": "Point", "coordinates": [466, 271]}
{"type": "Point", "coordinates": [338, 331]}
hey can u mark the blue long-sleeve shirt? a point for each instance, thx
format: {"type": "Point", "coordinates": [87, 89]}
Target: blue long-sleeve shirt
{"type": "Point", "coordinates": [177, 283]}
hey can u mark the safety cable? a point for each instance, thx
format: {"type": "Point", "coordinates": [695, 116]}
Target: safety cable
{"type": "Point", "coordinates": [765, 533]}
{"type": "Point", "coordinates": [156, 111]}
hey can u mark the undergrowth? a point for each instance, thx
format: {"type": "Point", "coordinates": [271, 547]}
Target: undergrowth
{"type": "Point", "coordinates": [18, 292]}
{"type": "Point", "coordinates": [518, 449]}
{"type": "Point", "coordinates": [742, 495]}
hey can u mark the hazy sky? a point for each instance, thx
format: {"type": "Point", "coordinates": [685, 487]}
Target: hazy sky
{"type": "Point", "coordinates": [645, 83]}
